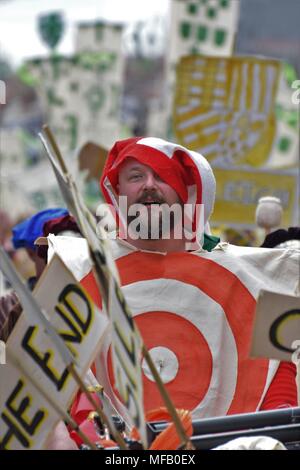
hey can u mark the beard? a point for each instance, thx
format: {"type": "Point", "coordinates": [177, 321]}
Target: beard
{"type": "Point", "coordinates": [154, 220]}
{"type": "Point", "coordinates": [146, 225]}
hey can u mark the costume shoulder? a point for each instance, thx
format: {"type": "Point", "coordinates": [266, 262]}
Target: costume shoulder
{"type": "Point", "coordinates": [74, 252]}
{"type": "Point", "coordinates": [259, 268]}
{"type": "Point", "coordinates": [119, 247]}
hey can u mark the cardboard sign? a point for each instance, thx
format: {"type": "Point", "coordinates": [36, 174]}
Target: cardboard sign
{"type": "Point", "coordinates": [224, 107]}
{"type": "Point", "coordinates": [238, 191]}
{"type": "Point", "coordinates": [92, 158]}
{"type": "Point", "coordinates": [277, 326]}
{"type": "Point", "coordinates": [26, 418]}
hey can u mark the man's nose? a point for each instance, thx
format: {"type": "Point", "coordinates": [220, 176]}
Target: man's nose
{"type": "Point", "coordinates": [150, 181]}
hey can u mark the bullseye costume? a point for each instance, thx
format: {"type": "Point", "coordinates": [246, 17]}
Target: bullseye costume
{"type": "Point", "coordinates": [195, 310]}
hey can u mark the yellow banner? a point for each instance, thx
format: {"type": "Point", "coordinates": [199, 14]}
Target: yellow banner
{"type": "Point", "coordinates": [224, 108]}
{"type": "Point", "coordinates": [239, 190]}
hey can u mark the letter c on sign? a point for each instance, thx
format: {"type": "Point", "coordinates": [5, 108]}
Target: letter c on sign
{"type": "Point", "coordinates": [277, 325]}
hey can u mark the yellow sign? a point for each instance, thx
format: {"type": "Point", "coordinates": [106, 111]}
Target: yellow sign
{"type": "Point", "coordinates": [238, 192]}
{"type": "Point", "coordinates": [225, 107]}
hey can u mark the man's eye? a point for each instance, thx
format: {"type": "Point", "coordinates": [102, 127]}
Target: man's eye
{"type": "Point", "coordinates": [135, 177]}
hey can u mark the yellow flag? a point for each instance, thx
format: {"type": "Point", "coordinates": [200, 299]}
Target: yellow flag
{"type": "Point", "coordinates": [224, 107]}
{"type": "Point", "coordinates": [239, 190]}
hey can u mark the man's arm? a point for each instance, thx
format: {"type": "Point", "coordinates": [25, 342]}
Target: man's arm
{"type": "Point", "coordinates": [282, 392]}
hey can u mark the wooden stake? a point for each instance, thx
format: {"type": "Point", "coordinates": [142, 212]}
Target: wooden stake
{"type": "Point", "coordinates": [117, 436]}
{"type": "Point", "coordinates": [185, 441]}
{"type": "Point", "coordinates": [55, 147]}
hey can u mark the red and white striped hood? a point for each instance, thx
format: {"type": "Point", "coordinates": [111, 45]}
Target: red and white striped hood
{"type": "Point", "coordinates": [187, 172]}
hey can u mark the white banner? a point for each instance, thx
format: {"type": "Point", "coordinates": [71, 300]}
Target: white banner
{"type": "Point", "coordinates": [26, 418]}
{"type": "Point", "coordinates": [277, 326]}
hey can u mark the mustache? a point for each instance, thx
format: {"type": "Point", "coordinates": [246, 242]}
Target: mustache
{"type": "Point", "coordinates": [150, 195]}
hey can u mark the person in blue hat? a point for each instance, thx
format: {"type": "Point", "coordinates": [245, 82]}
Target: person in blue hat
{"type": "Point", "coordinates": [24, 235]}
{"type": "Point", "coordinates": [26, 232]}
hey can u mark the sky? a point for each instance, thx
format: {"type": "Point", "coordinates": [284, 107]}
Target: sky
{"type": "Point", "coordinates": [19, 39]}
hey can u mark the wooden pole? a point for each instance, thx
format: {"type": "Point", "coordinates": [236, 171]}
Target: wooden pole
{"type": "Point", "coordinates": [185, 441]}
{"type": "Point", "coordinates": [117, 436]}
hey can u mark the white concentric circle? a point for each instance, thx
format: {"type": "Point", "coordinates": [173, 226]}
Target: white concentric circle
{"type": "Point", "coordinates": [166, 364]}
{"type": "Point", "coordinates": [207, 316]}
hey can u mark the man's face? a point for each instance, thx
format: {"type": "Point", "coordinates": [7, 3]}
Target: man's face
{"type": "Point", "coordinates": [141, 185]}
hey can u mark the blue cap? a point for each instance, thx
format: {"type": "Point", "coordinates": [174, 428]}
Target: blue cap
{"type": "Point", "coordinates": [25, 233]}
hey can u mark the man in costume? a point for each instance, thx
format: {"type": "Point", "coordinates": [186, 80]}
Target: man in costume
{"type": "Point", "coordinates": [195, 310]}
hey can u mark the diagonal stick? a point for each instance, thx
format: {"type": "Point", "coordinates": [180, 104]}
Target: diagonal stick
{"type": "Point", "coordinates": [117, 436]}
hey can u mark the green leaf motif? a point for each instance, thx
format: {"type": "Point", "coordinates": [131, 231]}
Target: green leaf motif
{"type": "Point", "coordinates": [292, 119]}
{"type": "Point", "coordinates": [192, 8]}
{"type": "Point", "coordinates": [211, 13]}
{"type": "Point", "coordinates": [220, 36]}
{"type": "Point", "coordinates": [224, 3]}
{"type": "Point", "coordinates": [185, 30]}
{"type": "Point", "coordinates": [97, 61]}
{"type": "Point", "coordinates": [202, 33]}
{"type": "Point", "coordinates": [288, 116]}
{"type": "Point", "coordinates": [51, 28]}
{"type": "Point", "coordinates": [284, 144]}
{"type": "Point", "coordinates": [26, 76]}
{"type": "Point", "coordinates": [289, 73]}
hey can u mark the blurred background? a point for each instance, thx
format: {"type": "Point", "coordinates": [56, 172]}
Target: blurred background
{"type": "Point", "coordinates": [99, 71]}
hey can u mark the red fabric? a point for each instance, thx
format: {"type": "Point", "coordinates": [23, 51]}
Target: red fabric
{"type": "Point", "coordinates": [88, 428]}
{"type": "Point", "coordinates": [60, 224]}
{"type": "Point", "coordinates": [81, 407]}
{"type": "Point", "coordinates": [282, 392]}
